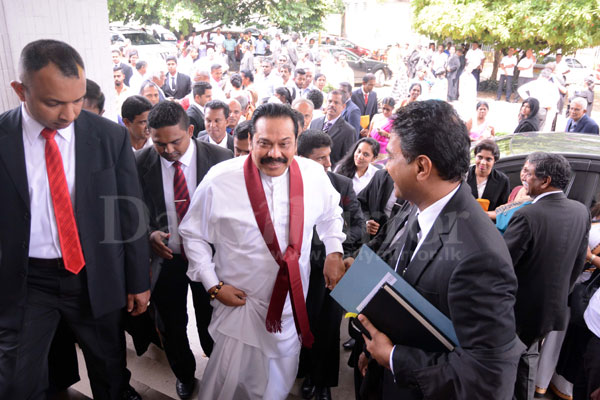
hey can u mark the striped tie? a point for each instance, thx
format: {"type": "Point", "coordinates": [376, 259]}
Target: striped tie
{"type": "Point", "coordinates": [182, 196]}
{"type": "Point", "coordinates": [180, 189]}
{"type": "Point", "coordinates": [63, 209]}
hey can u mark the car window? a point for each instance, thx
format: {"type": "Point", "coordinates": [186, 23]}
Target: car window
{"type": "Point", "coordinates": [115, 38]}
{"type": "Point", "coordinates": [168, 36]}
{"type": "Point", "coordinates": [548, 59]}
{"type": "Point", "coordinates": [140, 38]}
{"type": "Point", "coordinates": [349, 56]}
{"type": "Point", "coordinates": [576, 63]}
{"type": "Point", "coordinates": [344, 43]}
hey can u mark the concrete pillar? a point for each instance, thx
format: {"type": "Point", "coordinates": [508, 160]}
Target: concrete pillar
{"type": "Point", "coordinates": [81, 23]}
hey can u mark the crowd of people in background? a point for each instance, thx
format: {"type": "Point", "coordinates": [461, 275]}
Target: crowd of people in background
{"type": "Point", "coordinates": [254, 70]}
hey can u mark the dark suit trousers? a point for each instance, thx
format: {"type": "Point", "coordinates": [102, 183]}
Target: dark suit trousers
{"type": "Point", "coordinates": [508, 80]}
{"type": "Point", "coordinates": [54, 294]}
{"type": "Point", "coordinates": [322, 362]}
{"type": "Point", "coordinates": [170, 300]}
{"type": "Point", "coordinates": [527, 371]}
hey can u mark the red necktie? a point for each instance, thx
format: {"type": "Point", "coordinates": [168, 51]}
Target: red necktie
{"type": "Point", "coordinates": [182, 195]}
{"type": "Point", "coordinates": [63, 209]}
{"type": "Point", "coordinates": [366, 98]}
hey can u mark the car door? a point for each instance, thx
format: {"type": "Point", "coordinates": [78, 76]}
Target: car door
{"type": "Point", "coordinates": [584, 183]}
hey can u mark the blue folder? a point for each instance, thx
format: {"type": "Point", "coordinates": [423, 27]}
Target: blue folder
{"type": "Point", "coordinates": [393, 301]}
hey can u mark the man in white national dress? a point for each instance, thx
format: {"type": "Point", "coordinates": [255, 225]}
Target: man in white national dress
{"type": "Point", "coordinates": [258, 213]}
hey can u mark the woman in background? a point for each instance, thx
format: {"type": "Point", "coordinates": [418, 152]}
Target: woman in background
{"type": "Point", "coordinates": [356, 164]}
{"type": "Point", "coordinates": [528, 120]}
{"type": "Point", "coordinates": [381, 125]}
{"type": "Point", "coordinates": [484, 180]}
{"type": "Point", "coordinates": [479, 127]}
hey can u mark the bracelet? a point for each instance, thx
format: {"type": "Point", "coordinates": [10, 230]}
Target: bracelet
{"type": "Point", "coordinates": [214, 293]}
{"type": "Point", "coordinates": [591, 260]}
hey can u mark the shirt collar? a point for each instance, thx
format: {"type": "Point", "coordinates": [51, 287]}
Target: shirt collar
{"type": "Point", "coordinates": [185, 159]}
{"type": "Point", "coordinates": [33, 129]}
{"type": "Point", "coordinates": [541, 196]}
{"type": "Point", "coordinates": [333, 121]}
{"type": "Point", "coordinates": [223, 142]}
{"type": "Point", "coordinates": [428, 216]}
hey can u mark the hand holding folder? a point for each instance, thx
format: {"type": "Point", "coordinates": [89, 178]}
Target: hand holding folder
{"type": "Point", "coordinates": [393, 306]}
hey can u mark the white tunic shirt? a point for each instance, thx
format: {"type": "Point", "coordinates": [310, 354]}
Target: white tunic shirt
{"type": "Point", "coordinates": [221, 215]}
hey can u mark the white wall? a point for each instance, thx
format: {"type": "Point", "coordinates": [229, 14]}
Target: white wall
{"type": "Point", "coordinates": [81, 23]}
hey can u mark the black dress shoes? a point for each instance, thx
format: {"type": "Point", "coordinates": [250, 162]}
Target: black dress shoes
{"type": "Point", "coordinates": [130, 394]}
{"type": "Point", "coordinates": [308, 389]}
{"type": "Point", "coordinates": [323, 393]}
{"type": "Point", "coordinates": [185, 390]}
{"type": "Point", "coordinates": [349, 344]}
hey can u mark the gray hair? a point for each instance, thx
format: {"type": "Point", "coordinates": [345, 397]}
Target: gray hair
{"type": "Point", "coordinates": [299, 101]}
{"type": "Point", "coordinates": [243, 100]}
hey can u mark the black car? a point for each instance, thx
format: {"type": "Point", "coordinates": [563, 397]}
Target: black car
{"type": "Point", "coordinates": [362, 65]}
{"type": "Point", "coordinates": [580, 149]}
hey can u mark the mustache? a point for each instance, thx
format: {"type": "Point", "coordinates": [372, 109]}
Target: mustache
{"type": "Point", "coordinates": [269, 160]}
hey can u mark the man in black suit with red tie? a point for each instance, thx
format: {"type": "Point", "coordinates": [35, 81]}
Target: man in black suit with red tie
{"type": "Point", "coordinates": [365, 98]}
{"type": "Point", "coordinates": [448, 250]}
{"type": "Point", "coordinates": [169, 173]}
{"type": "Point", "coordinates": [73, 237]}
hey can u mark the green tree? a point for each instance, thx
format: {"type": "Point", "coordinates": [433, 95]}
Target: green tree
{"type": "Point", "coordinates": [289, 15]}
{"type": "Point", "coordinates": [536, 24]}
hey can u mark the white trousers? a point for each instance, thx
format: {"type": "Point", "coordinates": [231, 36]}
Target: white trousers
{"type": "Point", "coordinates": [237, 371]}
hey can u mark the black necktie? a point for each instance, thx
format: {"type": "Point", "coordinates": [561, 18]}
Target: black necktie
{"type": "Point", "coordinates": [395, 208]}
{"type": "Point", "coordinates": [173, 86]}
{"type": "Point", "coordinates": [412, 239]}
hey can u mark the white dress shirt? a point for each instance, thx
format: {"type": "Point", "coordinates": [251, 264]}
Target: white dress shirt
{"type": "Point", "coordinates": [188, 166]}
{"type": "Point", "coordinates": [148, 143]}
{"type": "Point", "coordinates": [43, 241]}
{"type": "Point", "coordinates": [172, 84]}
{"type": "Point", "coordinates": [223, 143]}
{"type": "Point", "coordinates": [221, 215]}
{"type": "Point", "coordinates": [509, 63]}
{"type": "Point", "coordinates": [360, 182]}
{"type": "Point", "coordinates": [541, 196]}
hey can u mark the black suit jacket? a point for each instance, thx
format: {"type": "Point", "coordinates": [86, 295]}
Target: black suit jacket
{"type": "Point", "coordinates": [203, 136]}
{"type": "Point", "coordinates": [370, 108]}
{"type": "Point", "coordinates": [183, 86]}
{"type": "Point", "coordinates": [342, 135]}
{"type": "Point", "coordinates": [463, 269]}
{"type": "Point", "coordinates": [374, 197]}
{"type": "Point", "coordinates": [150, 172]}
{"type": "Point", "coordinates": [496, 189]}
{"type": "Point", "coordinates": [354, 222]}
{"type": "Point", "coordinates": [351, 115]}
{"type": "Point", "coordinates": [127, 72]}
{"type": "Point", "coordinates": [109, 218]}
{"type": "Point", "coordinates": [196, 119]}
{"type": "Point", "coordinates": [548, 243]}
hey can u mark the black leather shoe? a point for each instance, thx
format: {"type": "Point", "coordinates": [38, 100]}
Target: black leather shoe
{"type": "Point", "coordinates": [185, 390]}
{"type": "Point", "coordinates": [323, 393]}
{"type": "Point", "coordinates": [130, 394]}
{"type": "Point", "coordinates": [349, 344]}
{"type": "Point", "coordinates": [308, 389]}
